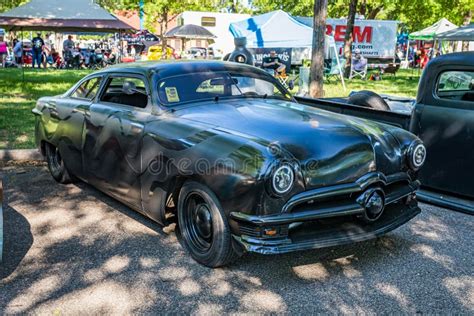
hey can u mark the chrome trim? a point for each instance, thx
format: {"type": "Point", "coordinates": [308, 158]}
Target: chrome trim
{"type": "Point", "coordinates": [352, 208]}
{"type": "Point", "coordinates": [278, 219]}
{"type": "Point", "coordinates": [360, 185]}
{"type": "Point", "coordinates": [264, 246]}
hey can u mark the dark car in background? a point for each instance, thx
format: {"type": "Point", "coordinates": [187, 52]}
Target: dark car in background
{"type": "Point", "coordinates": [225, 151]}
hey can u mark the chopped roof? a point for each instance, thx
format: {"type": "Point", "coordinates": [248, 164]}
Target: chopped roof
{"type": "Point", "coordinates": [173, 68]}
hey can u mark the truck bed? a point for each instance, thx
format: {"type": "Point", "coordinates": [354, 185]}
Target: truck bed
{"type": "Point", "coordinates": [340, 105]}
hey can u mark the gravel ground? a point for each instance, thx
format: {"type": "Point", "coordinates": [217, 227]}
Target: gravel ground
{"type": "Point", "coordinates": [70, 249]}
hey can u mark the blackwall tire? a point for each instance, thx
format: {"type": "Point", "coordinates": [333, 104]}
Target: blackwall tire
{"type": "Point", "coordinates": [203, 226]}
{"type": "Point", "coordinates": [56, 165]}
{"type": "Point", "coordinates": [369, 99]}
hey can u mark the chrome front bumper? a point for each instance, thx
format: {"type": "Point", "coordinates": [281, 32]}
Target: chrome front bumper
{"type": "Point", "coordinates": [328, 216]}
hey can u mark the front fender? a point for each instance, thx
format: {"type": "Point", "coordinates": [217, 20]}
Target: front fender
{"type": "Point", "coordinates": [236, 168]}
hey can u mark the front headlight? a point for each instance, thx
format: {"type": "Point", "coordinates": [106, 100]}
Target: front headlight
{"type": "Point", "coordinates": [282, 179]}
{"type": "Point", "coordinates": [416, 155]}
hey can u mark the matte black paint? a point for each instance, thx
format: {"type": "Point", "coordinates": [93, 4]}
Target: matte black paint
{"type": "Point", "coordinates": [142, 156]}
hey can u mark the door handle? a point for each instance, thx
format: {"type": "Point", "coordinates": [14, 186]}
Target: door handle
{"type": "Point", "coordinates": [136, 128]}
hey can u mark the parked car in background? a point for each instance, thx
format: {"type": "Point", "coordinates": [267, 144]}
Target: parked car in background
{"type": "Point", "coordinates": [225, 151]}
{"type": "Point", "coordinates": [197, 53]}
{"type": "Point", "coordinates": [156, 53]}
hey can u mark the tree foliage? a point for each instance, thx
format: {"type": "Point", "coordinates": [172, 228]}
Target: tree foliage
{"type": "Point", "coordinates": [113, 5]}
{"type": "Point", "coordinates": [6, 5]}
{"type": "Point", "coordinates": [301, 7]}
{"type": "Point", "coordinates": [415, 14]}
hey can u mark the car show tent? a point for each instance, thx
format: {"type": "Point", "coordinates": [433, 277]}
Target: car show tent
{"type": "Point", "coordinates": [62, 16]}
{"type": "Point", "coordinates": [429, 33]}
{"type": "Point", "coordinates": [278, 29]}
{"type": "Point", "coordinates": [464, 33]}
{"type": "Point", "coordinates": [273, 29]}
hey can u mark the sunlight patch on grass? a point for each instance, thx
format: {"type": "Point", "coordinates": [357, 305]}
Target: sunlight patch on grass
{"type": "Point", "coordinates": [18, 97]}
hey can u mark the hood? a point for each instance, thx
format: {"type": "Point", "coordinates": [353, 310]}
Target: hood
{"type": "Point", "coordinates": [331, 148]}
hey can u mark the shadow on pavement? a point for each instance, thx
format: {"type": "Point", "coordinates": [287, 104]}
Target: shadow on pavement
{"type": "Point", "coordinates": [91, 254]}
{"type": "Point", "coordinates": [17, 239]}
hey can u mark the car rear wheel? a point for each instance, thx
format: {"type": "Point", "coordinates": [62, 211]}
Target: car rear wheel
{"type": "Point", "coordinates": [56, 165]}
{"type": "Point", "coordinates": [203, 226]}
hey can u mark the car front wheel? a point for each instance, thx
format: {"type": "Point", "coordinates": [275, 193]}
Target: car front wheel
{"type": "Point", "coordinates": [56, 165]}
{"type": "Point", "coordinates": [203, 226]}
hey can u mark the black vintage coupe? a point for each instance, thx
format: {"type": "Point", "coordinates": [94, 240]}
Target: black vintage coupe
{"type": "Point", "coordinates": [224, 150]}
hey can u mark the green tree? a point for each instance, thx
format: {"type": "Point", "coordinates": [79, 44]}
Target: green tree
{"type": "Point", "coordinates": [300, 8]}
{"type": "Point", "coordinates": [415, 14]}
{"type": "Point", "coordinates": [6, 5]}
{"type": "Point", "coordinates": [113, 5]}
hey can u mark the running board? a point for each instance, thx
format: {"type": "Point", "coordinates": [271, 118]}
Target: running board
{"type": "Point", "coordinates": [447, 201]}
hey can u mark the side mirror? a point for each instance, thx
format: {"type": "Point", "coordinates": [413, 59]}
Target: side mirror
{"type": "Point", "coordinates": [129, 87]}
{"type": "Point", "coordinates": [291, 84]}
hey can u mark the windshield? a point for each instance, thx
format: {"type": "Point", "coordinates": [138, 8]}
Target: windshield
{"type": "Point", "coordinates": [211, 86]}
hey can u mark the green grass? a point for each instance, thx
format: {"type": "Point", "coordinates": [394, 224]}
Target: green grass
{"type": "Point", "coordinates": [18, 96]}
{"type": "Point", "coordinates": [405, 83]}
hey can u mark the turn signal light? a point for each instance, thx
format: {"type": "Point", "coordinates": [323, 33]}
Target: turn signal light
{"type": "Point", "coordinates": [270, 232]}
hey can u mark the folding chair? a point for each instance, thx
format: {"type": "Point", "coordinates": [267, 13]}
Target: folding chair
{"type": "Point", "coordinates": [334, 71]}
{"type": "Point", "coordinates": [358, 73]}
{"type": "Point", "coordinates": [283, 78]}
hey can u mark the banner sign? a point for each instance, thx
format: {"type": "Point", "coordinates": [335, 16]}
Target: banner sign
{"type": "Point", "coordinates": [283, 53]}
{"type": "Point", "coordinates": [374, 38]}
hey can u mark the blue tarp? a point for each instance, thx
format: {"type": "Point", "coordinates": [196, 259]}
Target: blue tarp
{"type": "Point", "coordinates": [273, 29]}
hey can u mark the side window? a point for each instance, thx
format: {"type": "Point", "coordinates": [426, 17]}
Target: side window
{"type": "Point", "coordinates": [125, 90]}
{"type": "Point", "coordinates": [87, 90]}
{"type": "Point", "coordinates": [456, 85]}
{"type": "Point", "coordinates": [208, 21]}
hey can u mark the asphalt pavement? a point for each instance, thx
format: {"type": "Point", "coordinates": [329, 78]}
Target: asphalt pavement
{"type": "Point", "coordinates": [70, 249]}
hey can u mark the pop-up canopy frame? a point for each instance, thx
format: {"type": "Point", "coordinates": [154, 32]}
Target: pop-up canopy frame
{"type": "Point", "coordinates": [62, 16]}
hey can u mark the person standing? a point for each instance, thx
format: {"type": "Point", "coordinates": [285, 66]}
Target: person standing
{"type": "Point", "coordinates": [68, 49]}
{"type": "Point", "coordinates": [18, 52]}
{"type": "Point", "coordinates": [37, 49]}
{"type": "Point", "coordinates": [3, 50]}
{"type": "Point", "coordinates": [46, 51]}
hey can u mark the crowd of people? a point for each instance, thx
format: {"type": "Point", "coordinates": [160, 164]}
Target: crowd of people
{"type": "Point", "coordinates": [41, 53]}
{"type": "Point", "coordinates": [418, 55]}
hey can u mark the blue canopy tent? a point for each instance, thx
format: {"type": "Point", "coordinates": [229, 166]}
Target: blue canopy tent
{"type": "Point", "coordinates": [273, 29]}
{"type": "Point", "coordinates": [278, 29]}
